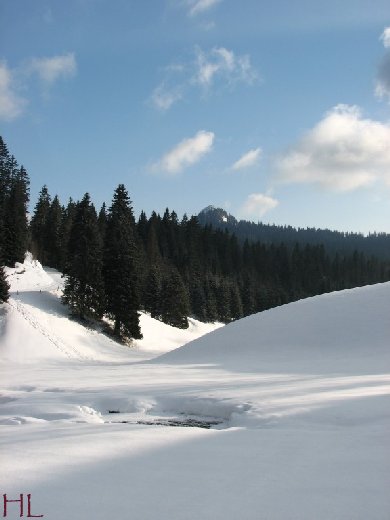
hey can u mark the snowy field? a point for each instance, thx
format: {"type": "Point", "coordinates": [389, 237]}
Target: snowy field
{"type": "Point", "coordinates": [283, 415]}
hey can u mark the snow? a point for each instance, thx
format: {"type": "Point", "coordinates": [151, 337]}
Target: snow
{"type": "Point", "coordinates": [300, 395]}
{"type": "Point", "coordinates": [334, 332]}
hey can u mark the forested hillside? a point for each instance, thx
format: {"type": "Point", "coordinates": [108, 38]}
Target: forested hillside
{"type": "Point", "coordinates": [175, 268]}
{"type": "Point", "coordinates": [14, 197]}
{"type": "Point", "coordinates": [172, 268]}
{"type": "Point", "coordinates": [377, 244]}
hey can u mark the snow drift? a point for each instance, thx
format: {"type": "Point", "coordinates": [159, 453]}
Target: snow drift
{"type": "Point", "coordinates": [342, 331]}
{"type": "Point", "coordinates": [297, 399]}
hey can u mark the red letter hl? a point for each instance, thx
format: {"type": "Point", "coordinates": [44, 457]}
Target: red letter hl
{"type": "Point", "coordinates": [6, 501]}
{"type": "Point", "coordinates": [29, 515]}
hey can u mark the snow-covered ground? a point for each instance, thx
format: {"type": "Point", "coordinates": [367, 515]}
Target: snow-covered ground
{"type": "Point", "coordinates": [297, 399]}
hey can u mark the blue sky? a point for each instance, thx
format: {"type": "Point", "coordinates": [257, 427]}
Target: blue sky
{"type": "Point", "coordinates": [277, 111]}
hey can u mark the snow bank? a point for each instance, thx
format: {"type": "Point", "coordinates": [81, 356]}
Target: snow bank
{"type": "Point", "coordinates": [34, 325]}
{"type": "Point", "coordinates": [342, 331]}
{"type": "Point", "coordinates": [298, 399]}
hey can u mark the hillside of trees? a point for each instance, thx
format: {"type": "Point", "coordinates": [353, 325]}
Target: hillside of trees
{"type": "Point", "coordinates": [174, 269]}
{"type": "Point", "coordinates": [14, 198]}
{"type": "Point", "coordinates": [116, 266]}
{"type": "Point", "coordinates": [377, 244]}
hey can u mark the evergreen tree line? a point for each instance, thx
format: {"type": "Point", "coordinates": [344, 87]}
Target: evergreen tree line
{"type": "Point", "coordinates": [98, 254]}
{"type": "Point", "coordinates": [377, 244]}
{"type": "Point", "coordinates": [175, 268]}
{"type": "Point", "coordinates": [171, 268]}
{"type": "Point", "coordinates": [14, 198]}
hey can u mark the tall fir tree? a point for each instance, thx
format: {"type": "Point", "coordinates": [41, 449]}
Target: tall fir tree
{"type": "Point", "coordinates": [121, 266]}
{"type": "Point", "coordinates": [53, 233]}
{"type": "Point", "coordinates": [38, 225]}
{"type": "Point", "coordinates": [68, 215]}
{"type": "Point", "coordinates": [102, 221]}
{"type": "Point", "coordinates": [15, 218]}
{"type": "Point", "coordinates": [5, 186]}
{"type": "Point", "coordinates": [175, 306]}
{"type": "Point", "coordinates": [151, 294]}
{"type": "Point", "coordinates": [4, 286]}
{"type": "Point", "coordinates": [84, 287]}
{"type": "Point", "coordinates": [14, 197]}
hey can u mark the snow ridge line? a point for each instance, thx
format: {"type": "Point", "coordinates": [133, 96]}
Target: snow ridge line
{"type": "Point", "coordinates": [69, 351]}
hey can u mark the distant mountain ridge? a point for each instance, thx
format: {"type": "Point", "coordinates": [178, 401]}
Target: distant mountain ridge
{"type": "Point", "coordinates": [213, 215]}
{"type": "Point", "coordinates": [377, 244]}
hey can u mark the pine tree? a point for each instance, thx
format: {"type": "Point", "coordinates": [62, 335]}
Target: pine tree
{"type": "Point", "coordinates": [236, 309]}
{"type": "Point", "coordinates": [53, 234]}
{"type": "Point", "coordinates": [68, 215]}
{"type": "Point", "coordinates": [211, 300]}
{"type": "Point", "coordinates": [102, 221]}
{"type": "Point", "coordinates": [198, 298]}
{"type": "Point", "coordinates": [5, 186]}
{"type": "Point", "coordinates": [121, 266]}
{"type": "Point", "coordinates": [15, 218]}
{"type": "Point", "coordinates": [38, 225]}
{"type": "Point", "coordinates": [223, 301]}
{"type": "Point", "coordinates": [152, 293]}
{"type": "Point", "coordinates": [174, 300]}
{"type": "Point", "coordinates": [4, 286]}
{"type": "Point", "coordinates": [84, 288]}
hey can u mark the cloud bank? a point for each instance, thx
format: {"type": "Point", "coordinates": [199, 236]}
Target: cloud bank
{"type": "Point", "coordinates": [342, 152]}
{"type": "Point", "coordinates": [186, 153]}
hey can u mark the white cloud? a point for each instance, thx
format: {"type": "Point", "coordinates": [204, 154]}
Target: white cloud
{"type": "Point", "coordinates": [382, 89]}
{"type": "Point", "coordinates": [257, 205]}
{"type": "Point", "coordinates": [11, 105]}
{"type": "Point", "coordinates": [199, 6]}
{"type": "Point", "coordinates": [342, 152]}
{"type": "Point", "coordinates": [48, 69]}
{"type": "Point", "coordinates": [51, 69]}
{"type": "Point", "coordinates": [219, 67]}
{"type": "Point", "coordinates": [248, 159]}
{"type": "Point", "coordinates": [163, 98]}
{"type": "Point", "coordinates": [223, 63]}
{"type": "Point", "coordinates": [187, 152]}
{"type": "Point", "coordinates": [385, 37]}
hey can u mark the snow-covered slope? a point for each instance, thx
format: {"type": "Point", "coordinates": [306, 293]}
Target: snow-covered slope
{"type": "Point", "coordinates": [300, 395]}
{"type": "Point", "coordinates": [35, 325]}
{"type": "Point", "coordinates": [343, 331]}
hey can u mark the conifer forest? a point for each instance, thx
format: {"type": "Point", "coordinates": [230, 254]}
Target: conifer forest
{"type": "Point", "coordinates": [116, 265]}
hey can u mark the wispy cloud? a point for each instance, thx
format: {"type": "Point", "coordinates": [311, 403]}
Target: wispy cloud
{"type": "Point", "coordinates": [216, 68]}
{"type": "Point", "coordinates": [186, 153]}
{"type": "Point", "coordinates": [48, 69]}
{"type": "Point", "coordinates": [342, 152]}
{"type": "Point", "coordinates": [200, 6]}
{"type": "Point", "coordinates": [164, 97]}
{"type": "Point", "coordinates": [51, 69]}
{"type": "Point", "coordinates": [382, 89]}
{"type": "Point", "coordinates": [248, 159]}
{"type": "Point", "coordinates": [223, 63]}
{"type": "Point", "coordinates": [11, 104]}
{"type": "Point", "coordinates": [385, 37]}
{"type": "Point", "coordinates": [257, 205]}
